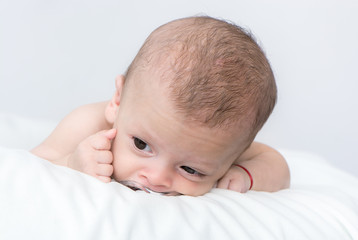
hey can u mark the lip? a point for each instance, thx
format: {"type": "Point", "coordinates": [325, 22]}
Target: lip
{"type": "Point", "coordinates": [135, 186]}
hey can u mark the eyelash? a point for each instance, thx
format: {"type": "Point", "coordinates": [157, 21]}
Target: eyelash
{"type": "Point", "coordinates": [196, 173]}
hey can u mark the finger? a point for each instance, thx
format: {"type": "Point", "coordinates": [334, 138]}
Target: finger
{"type": "Point", "coordinates": [103, 139]}
{"type": "Point", "coordinates": [103, 156]}
{"type": "Point", "coordinates": [237, 186]}
{"type": "Point", "coordinates": [104, 179]}
{"type": "Point", "coordinates": [100, 142]}
{"type": "Point", "coordinates": [105, 170]}
{"type": "Point", "coordinates": [109, 134]}
{"type": "Point", "coordinates": [223, 183]}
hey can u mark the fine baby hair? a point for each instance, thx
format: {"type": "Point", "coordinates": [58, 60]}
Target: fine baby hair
{"type": "Point", "coordinates": [216, 73]}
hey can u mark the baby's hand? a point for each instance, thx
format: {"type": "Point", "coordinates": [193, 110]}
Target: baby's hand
{"type": "Point", "coordinates": [93, 155]}
{"type": "Point", "coordinates": [235, 179]}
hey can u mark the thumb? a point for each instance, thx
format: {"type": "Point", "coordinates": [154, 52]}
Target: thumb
{"type": "Point", "coordinates": [110, 134]}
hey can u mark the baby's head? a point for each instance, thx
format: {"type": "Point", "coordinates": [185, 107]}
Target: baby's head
{"type": "Point", "coordinates": [191, 102]}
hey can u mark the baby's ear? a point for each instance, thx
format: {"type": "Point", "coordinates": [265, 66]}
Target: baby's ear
{"type": "Point", "coordinates": [113, 104]}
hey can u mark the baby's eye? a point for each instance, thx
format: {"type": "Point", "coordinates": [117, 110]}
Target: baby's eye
{"type": "Point", "coordinates": [141, 145]}
{"type": "Point", "coordinates": [190, 170]}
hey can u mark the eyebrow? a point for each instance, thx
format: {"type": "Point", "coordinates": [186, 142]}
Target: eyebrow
{"type": "Point", "coordinates": [206, 167]}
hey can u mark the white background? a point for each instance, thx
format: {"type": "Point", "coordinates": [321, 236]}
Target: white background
{"type": "Point", "coordinates": [57, 55]}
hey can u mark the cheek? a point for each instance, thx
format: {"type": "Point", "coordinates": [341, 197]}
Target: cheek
{"type": "Point", "coordinates": [122, 164]}
{"type": "Point", "coordinates": [195, 189]}
{"type": "Point", "coordinates": [199, 190]}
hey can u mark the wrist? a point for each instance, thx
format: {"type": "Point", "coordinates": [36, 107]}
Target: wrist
{"type": "Point", "coordinates": [66, 161]}
{"type": "Point", "coordinates": [248, 173]}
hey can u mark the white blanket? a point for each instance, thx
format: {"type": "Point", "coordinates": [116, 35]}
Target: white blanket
{"type": "Point", "coordinates": [39, 200]}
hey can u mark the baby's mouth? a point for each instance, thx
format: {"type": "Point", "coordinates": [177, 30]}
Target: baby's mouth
{"type": "Point", "coordinates": [135, 186]}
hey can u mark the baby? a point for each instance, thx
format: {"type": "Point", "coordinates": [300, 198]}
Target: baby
{"type": "Point", "coordinates": [183, 118]}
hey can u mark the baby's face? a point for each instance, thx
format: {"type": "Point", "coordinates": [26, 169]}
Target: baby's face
{"type": "Point", "coordinates": [157, 149]}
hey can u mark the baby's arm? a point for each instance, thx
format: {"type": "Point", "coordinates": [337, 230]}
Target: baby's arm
{"type": "Point", "coordinates": [268, 169]}
{"type": "Point", "coordinates": [76, 134]}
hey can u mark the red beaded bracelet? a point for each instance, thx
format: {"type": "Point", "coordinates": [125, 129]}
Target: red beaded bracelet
{"type": "Point", "coordinates": [248, 173]}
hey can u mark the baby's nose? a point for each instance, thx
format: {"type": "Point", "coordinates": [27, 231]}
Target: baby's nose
{"type": "Point", "coordinates": [159, 177]}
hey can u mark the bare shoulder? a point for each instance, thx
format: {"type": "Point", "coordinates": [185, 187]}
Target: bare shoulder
{"type": "Point", "coordinates": [86, 120]}
{"type": "Point", "coordinates": [74, 128]}
{"type": "Point", "coordinates": [92, 114]}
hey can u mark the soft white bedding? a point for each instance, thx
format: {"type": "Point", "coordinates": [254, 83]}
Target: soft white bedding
{"type": "Point", "coordinates": [39, 200]}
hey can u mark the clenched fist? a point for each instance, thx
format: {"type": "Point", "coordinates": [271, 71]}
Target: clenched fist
{"type": "Point", "coordinates": [93, 155]}
{"type": "Point", "coordinates": [235, 179]}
